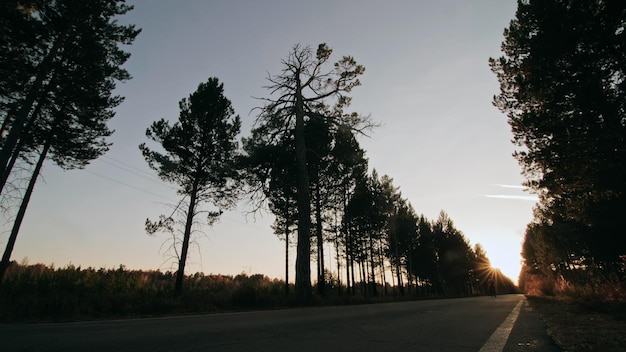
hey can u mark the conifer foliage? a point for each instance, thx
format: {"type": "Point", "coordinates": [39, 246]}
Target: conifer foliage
{"type": "Point", "coordinates": [200, 153]}
{"type": "Point", "coordinates": [59, 64]}
{"type": "Point", "coordinates": [563, 88]}
{"type": "Point", "coordinates": [307, 90]}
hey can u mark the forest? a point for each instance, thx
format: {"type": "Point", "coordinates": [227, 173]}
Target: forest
{"type": "Point", "coordinates": [60, 63]}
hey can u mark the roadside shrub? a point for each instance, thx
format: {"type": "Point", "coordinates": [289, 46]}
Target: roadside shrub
{"type": "Point", "coordinates": [41, 293]}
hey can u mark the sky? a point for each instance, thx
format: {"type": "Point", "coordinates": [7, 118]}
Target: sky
{"type": "Point", "coordinates": [427, 83]}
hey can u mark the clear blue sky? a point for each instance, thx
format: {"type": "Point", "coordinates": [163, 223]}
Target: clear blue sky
{"type": "Point", "coordinates": [427, 82]}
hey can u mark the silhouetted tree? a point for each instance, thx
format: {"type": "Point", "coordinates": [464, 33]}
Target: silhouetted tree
{"type": "Point", "coordinates": [319, 139]}
{"type": "Point", "coordinates": [200, 157]}
{"type": "Point", "coordinates": [61, 55]}
{"type": "Point", "coordinates": [390, 202]}
{"type": "Point", "coordinates": [453, 256]}
{"type": "Point", "coordinates": [347, 166]}
{"type": "Point", "coordinates": [555, 250]}
{"type": "Point", "coordinates": [304, 90]}
{"type": "Point", "coordinates": [282, 202]}
{"type": "Point", "coordinates": [387, 199]}
{"type": "Point", "coordinates": [563, 88]}
{"type": "Point", "coordinates": [366, 218]}
{"type": "Point", "coordinates": [270, 170]}
{"type": "Point", "coordinates": [60, 63]}
{"type": "Point", "coordinates": [19, 42]}
{"type": "Point", "coordinates": [481, 269]}
{"type": "Point", "coordinates": [425, 259]}
{"type": "Point", "coordinates": [402, 240]}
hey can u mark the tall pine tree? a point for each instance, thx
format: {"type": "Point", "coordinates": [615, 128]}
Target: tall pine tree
{"type": "Point", "coordinates": [563, 87]}
{"type": "Point", "coordinates": [200, 154]}
{"type": "Point", "coordinates": [59, 66]}
{"type": "Point", "coordinates": [306, 89]}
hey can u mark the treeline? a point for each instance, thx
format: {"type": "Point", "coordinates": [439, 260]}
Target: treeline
{"type": "Point", "coordinates": [43, 293]}
{"type": "Point", "coordinates": [378, 242]}
{"type": "Point", "coordinates": [36, 293]}
{"type": "Point", "coordinates": [563, 87]}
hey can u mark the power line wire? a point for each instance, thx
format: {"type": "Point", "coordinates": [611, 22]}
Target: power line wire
{"type": "Point", "coordinates": [166, 198]}
{"type": "Point", "coordinates": [127, 165]}
{"type": "Point", "coordinates": [139, 175]}
{"type": "Point", "coordinates": [127, 185]}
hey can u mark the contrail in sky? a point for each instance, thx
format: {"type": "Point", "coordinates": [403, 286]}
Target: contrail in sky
{"type": "Point", "coordinates": [511, 186]}
{"type": "Point", "coordinates": [504, 196]}
{"type": "Point", "coordinates": [531, 198]}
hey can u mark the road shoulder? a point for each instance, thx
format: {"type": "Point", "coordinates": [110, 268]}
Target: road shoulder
{"type": "Point", "coordinates": [591, 325]}
{"type": "Point", "coordinates": [530, 333]}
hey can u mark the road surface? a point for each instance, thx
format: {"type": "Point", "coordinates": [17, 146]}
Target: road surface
{"type": "Point", "coordinates": [466, 324]}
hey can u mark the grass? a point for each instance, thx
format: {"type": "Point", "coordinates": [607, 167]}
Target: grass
{"type": "Point", "coordinates": [584, 325]}
{"type": "Point", "coordinates": [584, 310]}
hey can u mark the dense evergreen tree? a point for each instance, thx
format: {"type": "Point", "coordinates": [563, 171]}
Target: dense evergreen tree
{"type": "Point", "coordinates": [333, 155]}
{"type": "Point", "coordinates": [60, 61]}
{"type": "Point", "coordinates": [318, 137]}
{"type": "Point", "coordinates": [481, 270]}
{"type": "Point", "coordinates": [454, 255]}
{"type": "Point", "coordinates": [563, 88]}
{"type": "Point", "coordinates": [200, 157]}
{"type": "Point", "coordinates": [366, 219]}
{"type": "Point", "coordinates": [425, 259]}
{"type": "Point", "coordinates": [347, 167]}
{"type": "Point", "coordinates": [402, 240]}
{"type": "Point", "coordinates": [270, 170]}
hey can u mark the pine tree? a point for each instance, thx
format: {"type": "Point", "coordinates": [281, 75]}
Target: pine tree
{"type": "Point", "coordinates": [563, 87]}
{"type": "Point", "coordinates": [59, 65]}
{"type": "Point", "coordinates": [305, 89]}
{"type": "Point", "coordinates": [200, 154]}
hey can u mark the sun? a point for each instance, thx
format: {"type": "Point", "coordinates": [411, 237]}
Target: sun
{"type": "Point", "coordinates": [487, 272]}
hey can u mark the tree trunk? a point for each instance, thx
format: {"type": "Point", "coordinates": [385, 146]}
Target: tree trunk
{"type": "Point", "coordinates": [372, 266]}
{"type": "Point", "coordinates": [409, 273]}
{"type": "Point", "coordinates": [399, 277]}
{"type": "Point", "coordinates": [180, 274]}
{"type": "Point", "coordinates": [348, 245]}
{"type": "Point", "coordinates": [337, 252]}
{"type": "Point", "coordinates": [393, 276]}
{"type": "Point", "coordinates": [4, 177]}
{"type": "Point", "coordinates": [397, 264]}
{"type": "Point", "coordinates": [321, 280]}
{"type": "Point", "coordinates": [348, 282]}
{"type": "Point", "coordinates": [286, 249]}
{"type": "Point", "coordinates": [303, 252]}
{"type": "Point", "coordinates": [6, 257]}
{"type": "Point", "coordinates": [383, 275]}
{"type": "Point", "coordinates": [351, 262]}
{"type": "Point", "coordinates": [22, 117]}
{"type": "Point", "coordinates": [363, 273]}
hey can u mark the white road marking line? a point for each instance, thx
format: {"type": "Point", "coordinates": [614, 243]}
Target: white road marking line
{"type": "Point", "coordinates": [499, 337]}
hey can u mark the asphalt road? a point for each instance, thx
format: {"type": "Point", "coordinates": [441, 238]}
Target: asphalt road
{"type": "Point", "coordinates": [466, 324]}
